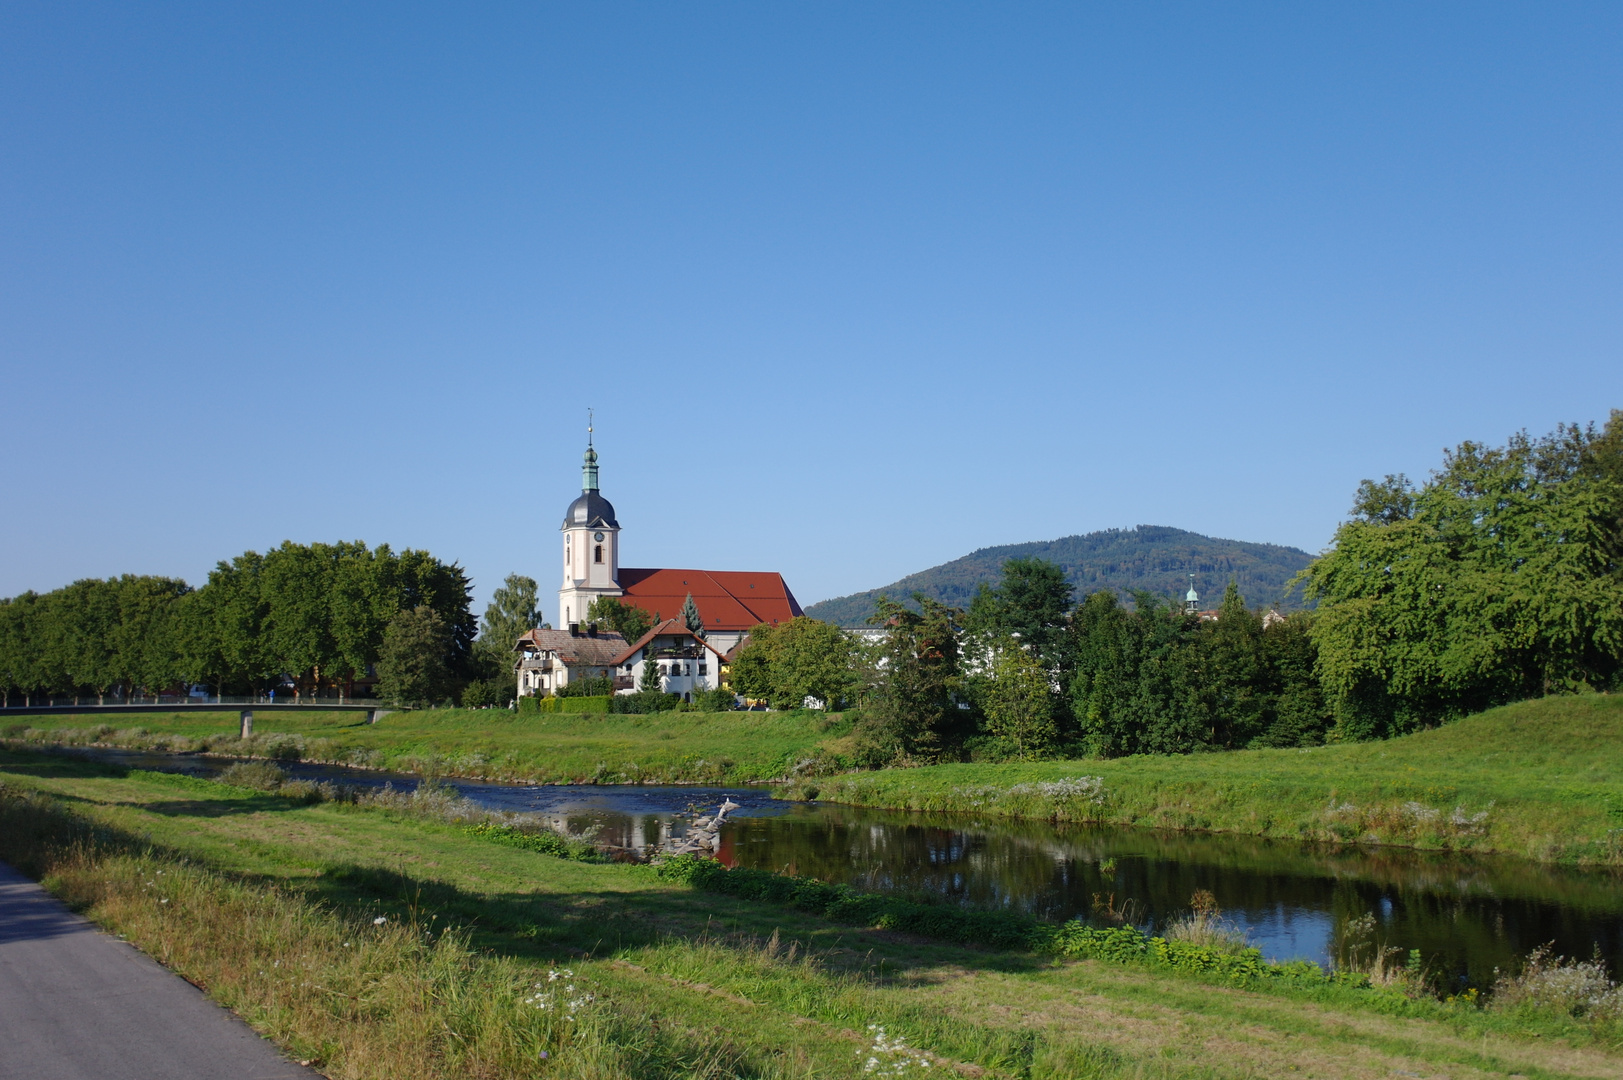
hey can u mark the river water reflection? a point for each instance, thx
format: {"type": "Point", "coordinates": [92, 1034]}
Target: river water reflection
{"type": "Point", "coordinates": [1467, 915]}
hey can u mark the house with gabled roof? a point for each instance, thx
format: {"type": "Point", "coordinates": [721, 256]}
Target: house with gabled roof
{"type": "Point", "coordinates": [691, 651]}
{"type": "Point", "coordinates": [549, 660]}
{"type": "Point", "coordinates": [686, 661]}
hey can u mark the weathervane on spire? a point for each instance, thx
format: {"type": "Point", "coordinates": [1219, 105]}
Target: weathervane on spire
{"type": "Point", "coordinates": [588, 472]}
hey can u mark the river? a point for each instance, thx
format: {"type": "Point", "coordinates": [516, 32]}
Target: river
{"type": "Point", "coordinates": [1468, 915]}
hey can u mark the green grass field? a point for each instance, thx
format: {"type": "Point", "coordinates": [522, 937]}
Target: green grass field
{"type": "Point", "coordinates": [1542, 779]}
{"type": "Point", "coordinates": [272, 906]}
{"type": "Point", "coordinates": [567, 748]}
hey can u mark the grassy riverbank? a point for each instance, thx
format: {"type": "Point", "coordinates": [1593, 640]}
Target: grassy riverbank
{"type": "Point", "coordinates": [1541, 779]}
{"type": "Point", "coordinates": [272, 905]}
{"type": "Point", "coordinates": [566, 748]}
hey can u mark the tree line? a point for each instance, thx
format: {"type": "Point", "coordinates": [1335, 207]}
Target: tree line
{"type": "Point", "coordinates": [1500, 577]}
{"type": "Point", "coordinates": [1497, 579]}
{"type": "Point", "coordinates": [324, 615]}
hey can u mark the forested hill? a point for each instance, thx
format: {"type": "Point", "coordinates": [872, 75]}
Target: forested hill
{"type": "Point", "coordinates": [1151, 557]}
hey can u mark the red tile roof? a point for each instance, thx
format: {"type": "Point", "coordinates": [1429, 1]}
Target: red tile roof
{"type": "Point", "coordinates": [668, 628]}
{"type": "Point", "coordinates": [727, 599]}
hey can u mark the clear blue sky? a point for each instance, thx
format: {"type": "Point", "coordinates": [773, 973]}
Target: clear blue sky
{"type": "Point", "coordinates": [854, 289]}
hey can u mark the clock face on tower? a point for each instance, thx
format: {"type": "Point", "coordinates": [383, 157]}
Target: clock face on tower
{"type": "Point", "coordinates": [597, 536]}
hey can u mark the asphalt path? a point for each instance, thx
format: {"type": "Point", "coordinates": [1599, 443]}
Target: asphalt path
{"type": "Point", "coordinates": [78, 1004]}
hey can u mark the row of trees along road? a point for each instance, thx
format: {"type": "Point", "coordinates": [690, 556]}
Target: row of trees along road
{"type": "Point", "coordinates": [324, 614]}
{"type": "Point", "coordinates": [1499, 578]}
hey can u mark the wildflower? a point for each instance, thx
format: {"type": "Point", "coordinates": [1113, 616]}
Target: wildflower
{"type": "Point", "coordinates": [891, 1057]}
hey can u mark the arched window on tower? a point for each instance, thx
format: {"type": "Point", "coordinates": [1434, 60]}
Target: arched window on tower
{"type": "Point", "coordinates": [597, 553]}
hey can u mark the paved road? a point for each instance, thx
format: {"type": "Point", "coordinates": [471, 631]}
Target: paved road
{"type": "Point", "coordinates": [78, 1004]}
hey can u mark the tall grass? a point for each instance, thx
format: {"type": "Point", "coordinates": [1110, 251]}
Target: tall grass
{"type": "Point", "coordinates": [1561, 986]}
{"type": "Point", "coordinates": [494, 744]}
{"type": "Point", "coordinates": [353, 995]}
{"type": "Point", "coordinates": [1206, 926]}
{"type": "Point", "coordinates": [681, 985]}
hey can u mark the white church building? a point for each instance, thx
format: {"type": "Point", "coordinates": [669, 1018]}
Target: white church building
{"type": "Point", "coordinates": [690, 659]}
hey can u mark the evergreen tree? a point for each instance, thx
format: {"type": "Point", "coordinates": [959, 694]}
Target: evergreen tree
{"type": "Point", "coordinates": [649, 682]}
{"type": "Point", "coordinates": [1154, 680]}
{"type": "Point", "coordinates": [690, 616]}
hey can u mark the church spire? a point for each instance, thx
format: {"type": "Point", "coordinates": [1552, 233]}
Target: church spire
{"type": "Point", "coordinates": [588, 471]}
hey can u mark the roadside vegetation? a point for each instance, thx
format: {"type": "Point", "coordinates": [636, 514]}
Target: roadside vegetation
{"type": "Point", "coordinates": [385, 941]}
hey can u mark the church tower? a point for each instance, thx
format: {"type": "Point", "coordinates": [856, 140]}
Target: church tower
{"type": "Point", "coordinates": [591, 547]}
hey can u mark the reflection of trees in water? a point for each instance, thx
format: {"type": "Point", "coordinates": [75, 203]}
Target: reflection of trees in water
{"type": "Point", "coordinates": [1466, 915]}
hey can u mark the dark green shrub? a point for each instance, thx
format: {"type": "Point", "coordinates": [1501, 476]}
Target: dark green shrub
{"type": "Point", "coordinates": [717, 700]}
{"type": "Point", "coordinates": [480, 693]}
{"type": "Point", "coordinates": [644, 701]}
{"type": "Point", "coordinates": [590, 686]}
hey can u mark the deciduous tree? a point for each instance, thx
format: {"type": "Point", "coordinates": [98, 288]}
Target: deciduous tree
{"type": "Point", "coordinates": [512, 612]}
{"type": "Point", "coordinates": [1496, 579]}
{"type": "Point", "coordinates": [914, 709]}
{"type": "Point", "coordinates": [803, 658]}
{"type": "Point", "coordinates": [414, 667]}
{"type": "Point", "coordinates": [1019, 701]}
{"type": "Point", "coordinates": [628, 620]}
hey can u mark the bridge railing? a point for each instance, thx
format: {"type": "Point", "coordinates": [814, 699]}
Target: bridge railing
{"type": "Point", "coordinates": [91, 701]}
